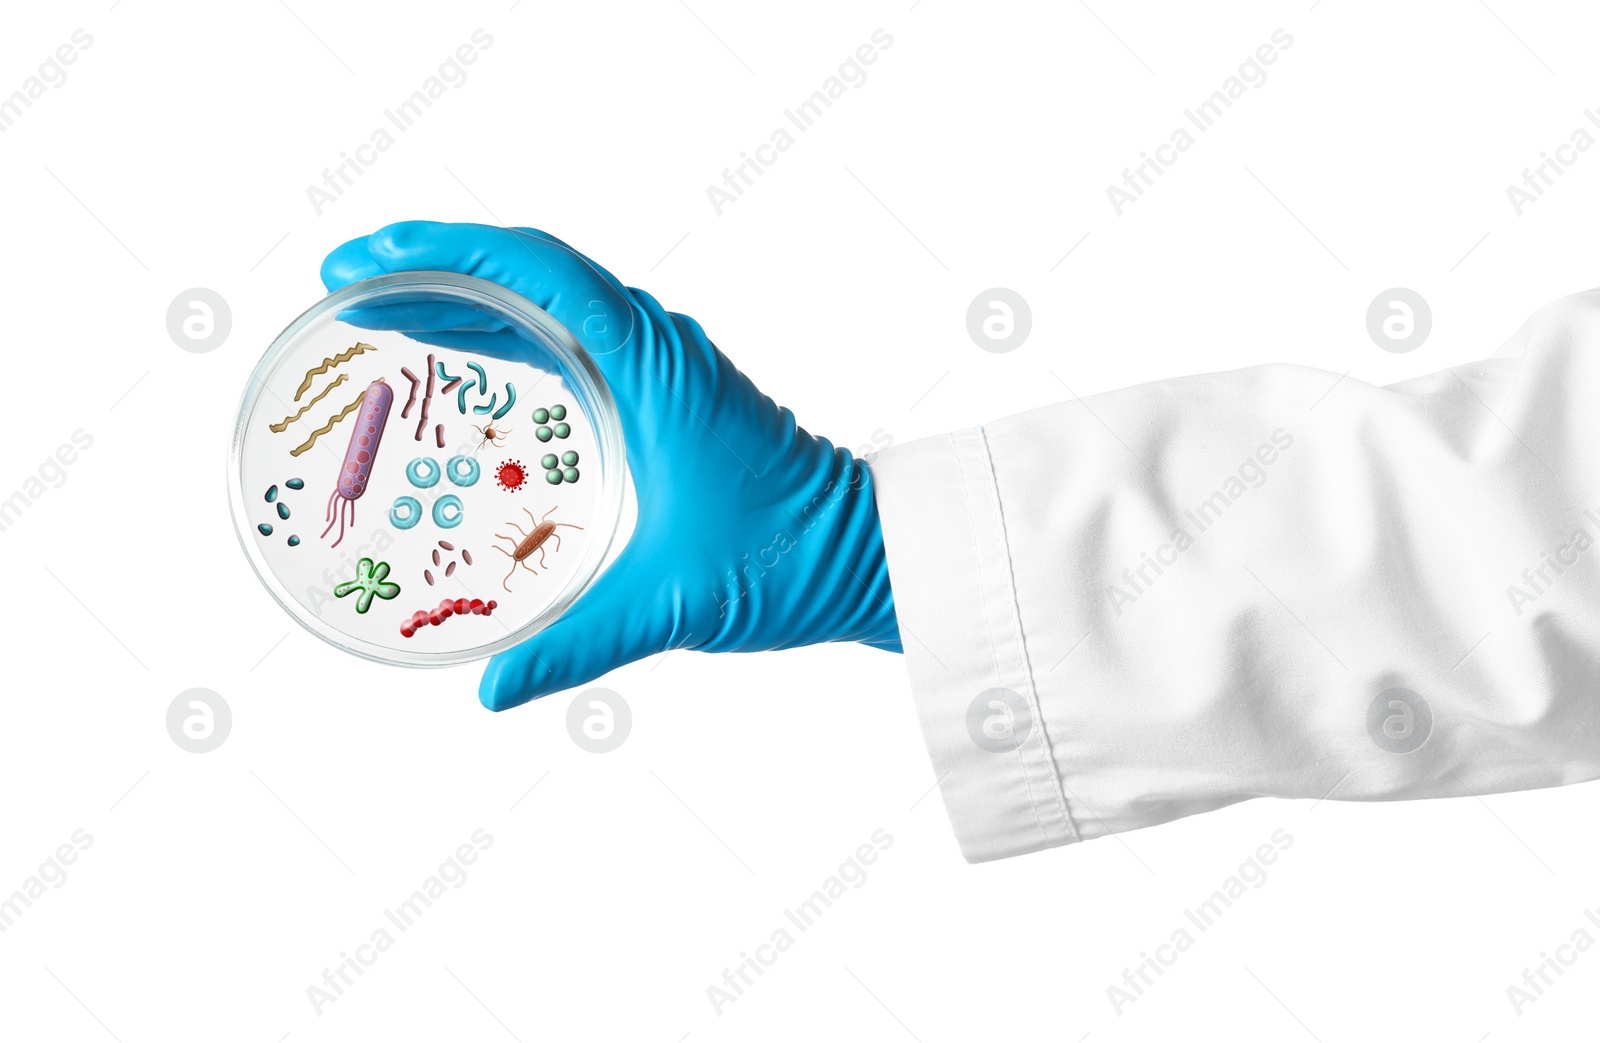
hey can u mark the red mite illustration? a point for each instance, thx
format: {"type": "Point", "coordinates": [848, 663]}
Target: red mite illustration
{"type": "Point", "coordinates": [359, 456]}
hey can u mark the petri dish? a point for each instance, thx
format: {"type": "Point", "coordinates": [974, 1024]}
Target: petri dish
{"type": "Point", "coordinates": [426, 469]}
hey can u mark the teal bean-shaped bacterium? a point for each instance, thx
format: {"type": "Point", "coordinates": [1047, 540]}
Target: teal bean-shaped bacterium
{"type": "Point", "coordinates": [570, 474]}
{"type": "Point", "coordinates": [558, 412]}
{"type": "Point", "coordinates": [405, 513]}
{"type": "Point", "coordinates": [569, 458]}
{"type": "Point", "coordinates": [272, 493]}
{"type": "Point", "coordinates": [553, 476]}
{"type": "Point", "coordinates": [541, 415]}
{"type": "Point", "coordinates": [294, 541]}
{"type": "Point", "coordinates": [295, 483]}
{"type": "Point", "coordinates": [549, 461]}
{"type": "Point", "coordinates": [563, 430]}
{"type": "Point", "coordinates": [283, 510]}
{"type": "Point", "coordinates": [543, 434]}
{"type": "Point", "coordinates": [463, 470]}
{"type": "Point", "coordinates": [462, 386]}
{"type": "Point", "coordinates": [511, 400]}
{"type": "Point", "coordinates": [423, 472]}
{"type": "Point", "coordinates": [448, 502]}
{"type": "Point", "coordinates": [264, 529]}
{"type": "Point", "coordinates": [482, 385]}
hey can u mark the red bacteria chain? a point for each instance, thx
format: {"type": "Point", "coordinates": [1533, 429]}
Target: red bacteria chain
{"type": "Point", "coordinates": [446, 609]}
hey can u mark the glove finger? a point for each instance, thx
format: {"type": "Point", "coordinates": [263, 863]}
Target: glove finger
{"type": "Point", "coordinates": [505, 344]}
{"type": "Point", "coordinates": [421, 316]}
{"type": "Point", "coordinates": [353, 260]}
{"type": "Point", "coordinates": [347, 263]}
{"type": "Point", "coordinates": [584, 298]}
{"type": "Point", "coordinates": [614, 623]}
{"type": "Point", "coordinates": [579, 294]}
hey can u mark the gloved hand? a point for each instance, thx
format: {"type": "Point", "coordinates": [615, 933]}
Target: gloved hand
{"type": "Point", "coordinates": [752, 534]}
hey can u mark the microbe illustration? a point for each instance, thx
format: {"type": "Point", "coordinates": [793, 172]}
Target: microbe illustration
{"type": "Point", "coordinates": [551, 423]}
{"type": "Point", "coordinates": [491, 435]}
{"type": "Point", "coordinates": [543, 530]}
{"type": "Point", "coordinates": [558, 469]}
{"type": "Point", "coordinates": [511, 475]}
{"type": "Point", "coordinates": [359, 456]}
{"type": "Point", "coordinates": [370, 582]}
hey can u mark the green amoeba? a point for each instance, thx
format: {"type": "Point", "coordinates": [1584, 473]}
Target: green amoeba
{"type": "Point", "coordinates": [370, 583]}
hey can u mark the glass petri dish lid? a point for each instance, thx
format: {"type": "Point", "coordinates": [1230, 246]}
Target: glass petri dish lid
{"type": "Point", "coordinates": [427, 469]}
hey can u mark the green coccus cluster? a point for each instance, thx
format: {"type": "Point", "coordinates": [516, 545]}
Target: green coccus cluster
{"type": "Point", "coordinates": [558, 469]}
{"type": "Point", "coordinates": [546, 430]}
{"type": "Point", "coordinates": [369, 582]}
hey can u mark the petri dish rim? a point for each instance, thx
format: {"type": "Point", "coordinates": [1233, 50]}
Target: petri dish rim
{"type": "Point", "coordinates": [577, 368]}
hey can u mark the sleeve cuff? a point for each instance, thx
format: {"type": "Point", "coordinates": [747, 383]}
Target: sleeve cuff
{"type": "Point", "coordinates": [955, 601]}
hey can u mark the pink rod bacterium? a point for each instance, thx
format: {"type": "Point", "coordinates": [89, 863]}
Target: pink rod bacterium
{"type": "Point", "coordinates": [356, 468]}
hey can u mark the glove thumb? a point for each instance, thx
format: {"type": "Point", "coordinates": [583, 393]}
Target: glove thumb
{"type": "Point", "coordinates": [614, 623]}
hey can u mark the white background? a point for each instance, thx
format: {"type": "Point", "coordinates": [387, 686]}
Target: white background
{"type": "Point", "coordinates": [219, 886]}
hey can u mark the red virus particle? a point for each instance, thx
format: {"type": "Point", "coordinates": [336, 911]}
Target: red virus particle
{"type": "Point", "coordinates": [511, 476]}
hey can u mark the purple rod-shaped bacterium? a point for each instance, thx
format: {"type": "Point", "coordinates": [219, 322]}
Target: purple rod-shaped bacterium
{"type": "Point", "coordinates": [359, 457]}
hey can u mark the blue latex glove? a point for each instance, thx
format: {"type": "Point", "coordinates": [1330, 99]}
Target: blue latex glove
{"type": "Point", "coordinates": [752, 534]}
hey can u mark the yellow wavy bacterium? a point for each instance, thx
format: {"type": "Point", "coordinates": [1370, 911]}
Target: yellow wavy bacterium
{"type": "Point", "coordinates": [328, 363]}
{"type": "Point", "coordinates": [283, 425]}
{"type": "Point", "coordinates": [325, 428]}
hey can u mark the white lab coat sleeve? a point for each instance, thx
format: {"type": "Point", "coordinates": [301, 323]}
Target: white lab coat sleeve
{"type": "Point", "coordinates": [1128, 608]}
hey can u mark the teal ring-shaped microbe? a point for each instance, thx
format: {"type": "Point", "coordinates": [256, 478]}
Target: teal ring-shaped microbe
{"type": "Point", "coordinates": [470, 476]}
{"type": "Point", "coordinates": [447, 501]}
{"type": "Point", "coordinates": [413, 513]}
{"type": "Point", "coordinates": [415, 475]}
